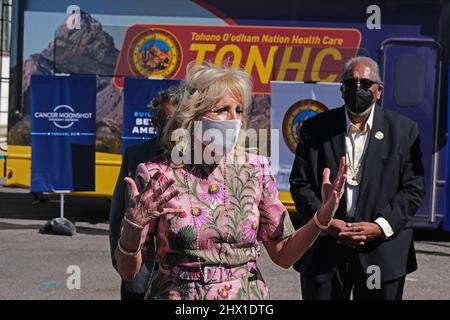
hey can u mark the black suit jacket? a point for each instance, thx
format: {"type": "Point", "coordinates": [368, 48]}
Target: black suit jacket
{"type": "Point", "coordinates": [392, 187]}
{"type": "Point", "coordinates": [134, 155]}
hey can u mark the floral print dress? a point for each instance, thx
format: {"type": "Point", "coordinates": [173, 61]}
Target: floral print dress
{"type": "Point", "coordinates": [226, 210]}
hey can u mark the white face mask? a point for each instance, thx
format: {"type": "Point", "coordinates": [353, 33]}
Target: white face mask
{"type": "Point", "coordinates": [219, 135]}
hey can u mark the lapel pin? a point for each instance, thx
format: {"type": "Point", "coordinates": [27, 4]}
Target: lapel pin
{"type": "Point", "coordinates": [379, 135]}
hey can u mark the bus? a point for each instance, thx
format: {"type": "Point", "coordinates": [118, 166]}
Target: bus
{"type": "Point", "coordinates": [5, 23]}
{"type": "Point", "coordinates": [286, 41]}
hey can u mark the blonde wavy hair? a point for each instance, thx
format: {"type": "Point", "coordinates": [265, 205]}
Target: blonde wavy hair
{"type": "Point", "coordinates": [203, 87]}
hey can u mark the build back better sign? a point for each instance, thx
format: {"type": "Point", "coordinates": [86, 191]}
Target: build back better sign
{"type": "Point", "coordinates": [138, 94]}
{"type": "Point", "coordinates": [62, 133]}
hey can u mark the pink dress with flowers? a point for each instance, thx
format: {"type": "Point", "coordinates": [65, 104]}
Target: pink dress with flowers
{"type": "Point", "coordinates": [218, 229]}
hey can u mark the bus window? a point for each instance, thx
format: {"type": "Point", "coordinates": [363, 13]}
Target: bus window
{"type": "Point", "coordinates": [409, 91]}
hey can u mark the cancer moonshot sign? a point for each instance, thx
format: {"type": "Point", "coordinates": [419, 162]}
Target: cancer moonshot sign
{"type": "Point", "coordinates": [62, 133]}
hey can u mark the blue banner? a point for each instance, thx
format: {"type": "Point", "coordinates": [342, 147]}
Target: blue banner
{"type": "Point", "coordinates": [62, 133]}
{"type": "Point", "coordinates": [137, 95]}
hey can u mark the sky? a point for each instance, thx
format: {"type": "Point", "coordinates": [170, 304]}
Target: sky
{"type": "Point", "coordinates": [42, 23]}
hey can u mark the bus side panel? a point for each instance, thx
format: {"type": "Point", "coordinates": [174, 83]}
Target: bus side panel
{"type": "Point", "coordinates": [107, 167]}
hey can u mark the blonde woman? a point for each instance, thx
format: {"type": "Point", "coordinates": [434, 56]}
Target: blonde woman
{"type": "Point", "coordinates": [209, 216]}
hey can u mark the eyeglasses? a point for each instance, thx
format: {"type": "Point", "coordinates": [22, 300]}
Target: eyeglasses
{"type": "Point", "coordinates": [364, 83]}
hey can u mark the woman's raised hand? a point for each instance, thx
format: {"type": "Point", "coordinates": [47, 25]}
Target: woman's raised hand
{"type": "Point", "coordinates": [149, 204]}
{"type": "Point", "coordinates": [332, 192]}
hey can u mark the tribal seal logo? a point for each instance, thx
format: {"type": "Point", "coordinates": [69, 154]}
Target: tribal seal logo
{"type": "Point", "coordinates": [155, 53]}
{"type": "Point", "coordinates": [294, 117]}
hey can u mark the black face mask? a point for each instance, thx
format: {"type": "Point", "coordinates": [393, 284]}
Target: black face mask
{"type": "Point", "coordinates": [358, 100]}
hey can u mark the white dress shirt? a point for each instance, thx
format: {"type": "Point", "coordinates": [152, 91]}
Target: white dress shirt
{"type": "Point", "coordinates": [356, 142]}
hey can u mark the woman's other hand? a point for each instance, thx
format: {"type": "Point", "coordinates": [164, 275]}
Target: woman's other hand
{"type": "Point", "coordinates": [149, 205]}
{"type": "Point", "coordinates": [332, 192]}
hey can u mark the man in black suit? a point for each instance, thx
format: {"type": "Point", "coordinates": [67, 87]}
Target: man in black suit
{"type": "Point", "coordinates": [162, 108]}
{"type": "Point", "coordinates": [368, 247]}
